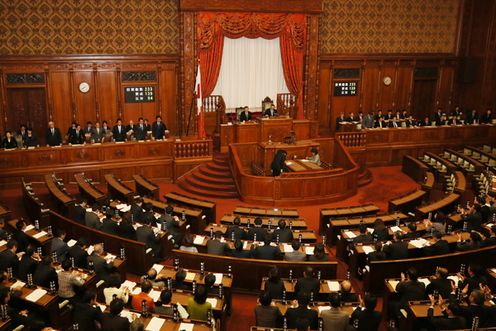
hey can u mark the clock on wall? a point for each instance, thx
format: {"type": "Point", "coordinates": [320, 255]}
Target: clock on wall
{"type": "Point", "coordinates": [84, 87]}
{"type": "Point", "coordinates": [387, 80]}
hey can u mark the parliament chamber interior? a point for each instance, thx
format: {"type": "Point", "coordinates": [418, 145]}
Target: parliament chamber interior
{"type": "Point", "coordinates": [235, 165]}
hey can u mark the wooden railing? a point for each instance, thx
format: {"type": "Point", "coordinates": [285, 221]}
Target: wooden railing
{"type": "Point", "coordinates": [352, 139]}
{"type": "Point", "coordinates": [190, 149]}
{"type": "Point", "coordinates": [286, 104]}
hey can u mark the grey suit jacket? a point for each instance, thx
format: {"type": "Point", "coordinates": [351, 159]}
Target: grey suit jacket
{"type": "Point", "coordinates": [335, 319]}
{"type": "Point", "coordinates": [91, 219]}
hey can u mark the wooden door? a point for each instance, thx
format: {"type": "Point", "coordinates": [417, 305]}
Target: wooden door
{"type": "Point", "coordinates": [27, 106]}
{"type": "Point", "coordinates": [424, 92]}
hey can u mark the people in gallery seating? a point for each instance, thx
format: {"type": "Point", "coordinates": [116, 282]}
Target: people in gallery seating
{"type": "Point", "coordinates": [53, 136]}
{"type": "Point", "coordinates": [272, 111]}
{"type": "Point", "coordinates": [119, 131]}
{"type": "Point", "coordinates": [380, 123]}
{"type": "Point", "coordinates": [9, 142]}
{"type": "Point", "coordinates": [245, 115]}
{"type": "Point", "coordinates": [425, 122]}
{"type": "Point", "coordinates": [267, 314]}
{"type": "Point", "coordinates": [487, 117]}
{"type": "Point", "coordinates": [158, 129]}
{"type": "Point", "coordinates": [315, 158]}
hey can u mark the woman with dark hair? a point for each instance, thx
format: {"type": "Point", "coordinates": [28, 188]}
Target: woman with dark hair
{"type": "Point", "coordinates": [319, 253]}
{"type": "Point", "coordinates": [274, 284]}
{"type": "Point", "coordinates": [380, 231]}
{"type": "Point", "coordinates": [278, 163]}
{"type": "Point", "coordinates": [114, 291]}
{"type": "Point", "coordinates": [315, 158]}
{"type": "Point", "coordinates": [9, 141]}
{"type": "Point", "coordinates": [198, 306]}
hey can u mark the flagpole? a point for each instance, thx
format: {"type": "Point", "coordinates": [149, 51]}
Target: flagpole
{"type": "Point", "coordinates": [193, 98]}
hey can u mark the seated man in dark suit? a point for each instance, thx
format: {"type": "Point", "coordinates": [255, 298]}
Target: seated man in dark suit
{"type": "Point", "coordinates": [448, 321]}
{"type": "Point", "coordinates": [308, 283]}
{"type": "Point", "coordinates": [438, 247]}
{"type": "Point", "coordinates": [8, 258]}
{"type": "Point", "coordinates": [474, 242]}
{"type": "Point", "coordinates": [234, 232]}
{"type": "Point", "coordinates": [178, 282]}
{"type": "Point", "coordinates": [257, 230]}
{"type": "Point", "coordinates": [285, 234]}
{"type": "Point", "coordinates": [112, 320]}
{"type": "Point", "coordinates": [473, 277]}
{"type": "Point", "coordinates": [302, 312]}
{"type": "Point", "coordinates": [28, 264]}
{"type": "Point", "coordinates": [408, 289]}
{"type": "Point", "coordinates": [108, 224]}
{"type": "Point", "coordinates": [91, 218]}
{"type": "Point", "coordinates": [296, 254]}
{"type": "Point", "coordinates": [45, 274]}
{"type": "Point", "coordinates": [20, 237]}
{"type": "Point", "coordinates": [126, 229]}
{"type": "Point", "coordinates": [86, 313]}
{"type": "Point", "coordinates": [245, 115]}
{"type": "Point", "coordinates": [217, 246]}
{"type": "Point", "coordinates": [167, 218]}
{"type": "Point", "coordinates": [364, 236]}
{"type": "Point", "coordinates": [119, 131]}
{"type": "Point", "coordinates": [158, 129]}
{"type": "Point", "coordinates": [491, 240]}
{"type": "Point", "coordinates": [79, 254]}
{"type": "Point", "coordinates": [267, 314]}
{"type": "Point", "coordinates": [440, 283]}
{"type": "Point", "coordinates": [397, 249]}
{"type": "Point", "coordinates": [137, 210]}
{"type": "Point", "coordinates": [412, 231]}
{"type": "Point", "coordinates": [59, 246]}
{"type": "Point", "coordinates": [238, 250]}
{"type": "Point", "coordinates": [267, 251]}
{"type": "Point", "coordinates": [475, 308]}
{"type": "Point", "coordinates": [365, 316]}
{"type": "Point", "coordinates": [346, 294]}
{"type": "Point", "coordinates": [272, 111]}
{"type": "Point", "coordinates": [4, 234]}
{"type": "Point", "coordinates": [53, 136]}
{"type": "Point", "coordinates": [100, 265]}
{"type": "Point", "coordinates": [146, 235]}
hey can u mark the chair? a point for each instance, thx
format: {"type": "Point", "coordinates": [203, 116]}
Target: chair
{"type": "Point", "coordinates": [266, 103]}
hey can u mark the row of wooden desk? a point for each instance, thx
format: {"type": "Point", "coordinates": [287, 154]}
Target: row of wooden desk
{"type": "Point", "coordinates": [327, 214]}
{"type": "Point", "coordinates": [307, 236]}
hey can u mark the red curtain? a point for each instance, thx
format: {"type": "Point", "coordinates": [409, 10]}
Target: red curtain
{"type": "Point", "coordinates": [212, 27]}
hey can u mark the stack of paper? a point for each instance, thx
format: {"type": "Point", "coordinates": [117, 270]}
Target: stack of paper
{"type": "Point", "coordinates": [213, 302]}
{"type": "Point", "coordinates": [419, 243]}
{"type": "Point", "coordinates": [198, 240]}
{"type": "Point", "coordinates": [129, 284]}
{"type": "Point", "coordinates": [190, 276]}
{"type": "Point", "coordinates": [287, 248]}
{"type": "Point", "coordinates": [36, 295]}
{"type": "Point", "coordinates": [29, 227]}
{"type": "Point", "coordinates": [309, 250]}
{"type": "Point", "coordinates": [218, 278]}
{"type": "Point", "coordinates": [333, 285]}
{"type": "Point", "coordinates": [39, 234]}
{"type": "Point", "coordinates": [71, 242]}
{"type": "Point", "coordinates": [396, 229]}
{"type": "Point", "coordinates": [186, 326]}
{"type": "Point", "coordinates": [322, 308]}
{"type": "Point", "coordinates": [350, 234]}
{"type": "Point", "coordinates": [17, 284]}
{"type": "Point", "coordinates": [367, 249]}
{"type": "Point", "coordinates": [158, 267]}
{"type": "Point", "coordinates": [155, 295]}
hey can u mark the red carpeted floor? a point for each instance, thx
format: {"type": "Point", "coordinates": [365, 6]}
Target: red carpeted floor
{"type": "Point", "coordinates": [387, 183]}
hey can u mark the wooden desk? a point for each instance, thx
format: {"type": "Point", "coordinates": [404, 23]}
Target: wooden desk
{"type": "Point", "coordinates": [301, 149]}
{"type": "Point", "coordinates": [459, 158]}
{"type": "Point", "coordinates": [275, 128]}
{"type": "Point", "coordinates": [445, 204]}
{"type": "Point", "coordinates": [118, 190]}
{"type": "Point", "coordinates": [307, 236]}
{"type": "Point", "coordinates": [407, 202]}
{"type": "Point", "coordinates": [207, 207]}
{"type": "Point", "coordinates": [5, 213]}
{"type": "Point", "coordinates": [146, 188]}
{"type": "Point", "coordinates": [89, 191]}
{"type": "Point", "coordinates": [428, 182]}
{"type": "Point", "coordinates": [35, 208]}
{"type": "Point", "coordinates": [273, 212]}
{"type": "Point", "coordinates": [39, 237]}
{"type": "Point", "coordinates": [326, 214]}
{"type": "Point", "coordinates": [249, 272]}
{"type": "Point", "coordinates": [324, 291]}
{"type": "Point", "coordinates": [284, 306]}
{"type": "Point", "coordinates": [295, 223]}
{"type": "Point", "coordinates": [64, 201]}
{"type": "Point", "coordinates": [170, 325]}
{"type": "Point", "coordinates": [414, 168]}
{"type": "Point", "coordinates": [5, 325]}
{"type": "Point", "coordinates": [194, 217]}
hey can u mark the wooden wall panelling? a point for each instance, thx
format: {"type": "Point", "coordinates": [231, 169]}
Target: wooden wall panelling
{"type": "Point", "coordinates": [369, 91]}
{"type": "Point", "coordinates": [107, 85]}
{"type": "Point", "coordinates": [60, 89]}
{"type": "Point", "coordinates": [444, 91]}
{"type": "Point", "coordinates": [168, 92]}
{"type": "Point", "coordinates": [404, 83]}
{"type": "Point", "coordinates": [188, 70]}
{"type": "Point", "coordinates": [84, 103]}
{"type": "Point", "coordinates": [3, 99]}
{"type": "Point", "coordinates": [323, 115]}
{"type": "Point", "coordinates": [311, 68]}
{"type": "Point", "coordinates": [387, 92]}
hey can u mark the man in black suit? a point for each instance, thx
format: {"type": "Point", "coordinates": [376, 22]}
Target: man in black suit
{"type": "Point", "coordinates": [145, 234]}
{"type": "Point", "coordinates": [112, 320]}
{"type": "Point", "coordinates": [53, 136]}
{"type": "Point", "coordinates": [28, 264]}
{"type": "Point", "coordinates": [126, 228]}
{"type": "Point", "coordinates": [364, 236]}
{"type": "Point", "coordinates": [397, 249]}
{"type": "Point", "coordinates": [8, 258]}
{"type": "Point", "coordinates": [119, 131]}
{"type": "Point", "coordinates": [79, 254]}
{"type": "Point", "coordinates": [91, 218]}
{"type": "Point", "coordinates": [140, 130]}
{"type": "Point", "coordinates": [308, 283]}
{"type": "Point", "coordinates": [475, 308]}
{"type": "Point", "coordinates": [284, 233]}
{"type": "Point", "coordinates": [235, 232]}
{"type": "Point", "coordinates": [245, 115]}
{"type": "Point", "coordinates": [448, 321]}
{"type": "Point", "coordinates": [367, 319]}
{"type": "Point", "coordinates": [491, 240]}
{"type": "Point", "coordinates": [278, 164]}
{"type": "Point", "coordinates": [412, 231]}
{"type": "Point", "coordinates": [100, 265]}
{"type": "Point", "coordinates": [178, 283]}
{"type": "Point", "coordinates": [425, 122]}
{"type": "Point", "coordinates": [487, 118]}
{"type": "Point", "coordinates": [438, 117]}
{"type": "Point", "coordinates": [257, 230]}
{"type": "Point", "coordinates": [215, 246]}
{"type": "Point", "coordinates": [302, 312]}
{"type": "Point", "coordinates": [438, 246]}
{"type": "Point", "coordinates": [59, 246]}
{"type": "Point", "coordinates": [45, 273]}
{"type": "Point", "coordinates": [472, 117]}
{"type": "Point", "coordinates": [238, 251]}
{"type": "Point", "coordinates": [137, 210]}
{"type": "Point", "coordinates": [158, 129]}
{"type": "Point", "coordinates": [266, 252]}
{"type": "Point", "coordinates": [86, 313]}
{"type": "Point", "coordinates": [272, 111]}
{"type": "Point", "coordinates": [109, 225]}
{"type": "Point", "coordinates": [473, 278]}
{"type": "Point", "coordinates": [20, 237]}
{"type": "Point", "coordinates": [4, 234]}
{"type": "Point", "coordinates": [408, 289]}
{"type": "Point", "coordinates": [474, 219]}
{"type": "Point", "coordinates": [440, 283]}
{"type": "Point", "coordinates": [340, 120]}
{"type": "Point", "coordinates": [148, 216]}
{"type": "Point", "coordinates": [77, 136]}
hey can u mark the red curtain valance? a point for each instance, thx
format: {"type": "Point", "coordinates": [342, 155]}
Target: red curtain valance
{"type": "Point", "coordinates": [212, 27]}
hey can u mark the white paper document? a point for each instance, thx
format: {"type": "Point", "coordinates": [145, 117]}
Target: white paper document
{"type": "Point", "coordinates": [323, 308]}
{"type": "Point", "coordinates": [3, 242]}
{"type": "Point", "coordinates": [333, 285]}
{"type": "Point", "coordinates": [190, 276]}
{"type": "Point", "coordinates": [29, 227]}
{"type": "Point", "coordinates": [186, 326]}
{"type": "Point", "coordinates": [155, 295]}
{"type": "Point", "coordinates": [456, 279]}
{"type": "Point", "coordinates": [36, 295]}
{"type": "Point", "coordinates": [136, 291]}
{"type": "Point", "coordinates": [39, 234]}
{"type": "Point", "coordinates": [129, 315]}
{"type": "Point", "coordinates": [367, 249]}
{"type": "Point", "coordinates": [198, 240]}
{"type": "Point", "coordinates": [17, 284]}
{"type": "Point", "coordinates": [309, 250]}
{"type": "Point", "coordinates": [158, 267]}
{"type": "Point", "coordinates": [419, 243]}
{"type": "Point", "coordinates": [213, 302]}
{"type": "Point", "coordinates": [350, 234]}
{"type": "Point", "coordinates": [287, 248]}
{"type": "Point", "coordinates": [129, 284]}
{"type": "Point", "coordinates": [426, 281]}
{"type": "Point", "coordinates": [396, 229]}
{"type": "Point", "coordinates": [218, 278]}
{"type": "Point", "coordinates": [393, 283]}
{"type": "Point", "coordinates": [71, 242]}
{"type": "Point", "coordinates": [155, 324]}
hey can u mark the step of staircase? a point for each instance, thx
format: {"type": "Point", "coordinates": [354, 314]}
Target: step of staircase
{"type": "Point", "coordinates": [364, 178]}
{"type": "Point", "coordinates": [211, 179]}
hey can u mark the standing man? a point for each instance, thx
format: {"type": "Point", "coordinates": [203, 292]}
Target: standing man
{"type": "Point", "coordinates": [119, 132]}
{"type": "Point", "coordinates": [53, 136]}
{"type": "Point", "coordinates": [158, 129]}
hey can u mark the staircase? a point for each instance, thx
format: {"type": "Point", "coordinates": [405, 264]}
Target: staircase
{"type": "Point", "coordinates": [211, 179]}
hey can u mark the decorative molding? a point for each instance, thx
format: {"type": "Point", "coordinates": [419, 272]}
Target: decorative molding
{"type": "Point", "coordinates": [346, 73]}
{"type": "Point", "coordinates": [26, 78]}
{"type": "Point", "coordinates": [133, 76]}
{"type": "Point", "coordinates": [286, 6]}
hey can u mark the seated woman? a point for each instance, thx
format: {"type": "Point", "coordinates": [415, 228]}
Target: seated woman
{"type": "Point", "coordinates": [9, 141]}
{"type": "Point", "coordinates": [315, 158]}
{"type": "Point", "coordinates": [274, 285]}
{"type": "Point", "coordinates": [319, 253]}
{"type": "Point", "coordinates": [198, 306]}
{"type": "Point", "coordinates": [114, 284]}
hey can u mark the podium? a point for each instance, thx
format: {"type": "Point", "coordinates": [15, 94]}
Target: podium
{"type": "Point", "coordinates": [300, 150]}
